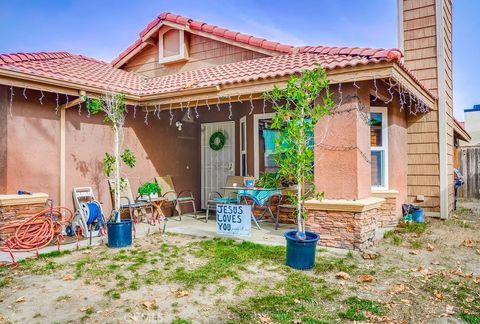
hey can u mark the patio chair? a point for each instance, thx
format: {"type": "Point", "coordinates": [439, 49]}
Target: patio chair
{"type": "Point", "coordinates": [177, 199]}
{"type": "Point", "coordinates": [128, 202]}
{"type": "Point", "coordinates": [229, 196]}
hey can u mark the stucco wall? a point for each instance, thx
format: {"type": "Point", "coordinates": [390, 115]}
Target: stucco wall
{"type": "Point", "coordinates": [341, 138]}
{"type": "Point", "coordinates": [33, 155]}
{"type": "Point", "coordinates": [33, 144]}
{"type": "Point", "coordinates": [33, 149]}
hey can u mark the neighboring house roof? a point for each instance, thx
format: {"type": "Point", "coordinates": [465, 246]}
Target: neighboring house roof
{"type": "Point", "coordinates": [209, 29]}
{"type": "Point", "coordinates": [475, 108]}
{"type": "Point", "coordinates": [459, 128]}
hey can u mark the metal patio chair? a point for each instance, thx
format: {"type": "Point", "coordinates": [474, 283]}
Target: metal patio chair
{"type": "Point", "coordinates": [228, 196]}
{"type": "Point", "coordinates": [127, 202]}
{"type": "Point", "coordinates": [177, 199]}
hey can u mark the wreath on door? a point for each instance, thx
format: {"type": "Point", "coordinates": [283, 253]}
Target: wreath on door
{"type": "Point", "coordinates": [217, 141]}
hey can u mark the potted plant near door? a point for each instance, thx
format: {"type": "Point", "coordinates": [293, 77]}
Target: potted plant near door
{"type": "Point", "coordinates": [298, 108]}
{"type": "Point", "coordinates": [113, 106]}
{"type": "Point", "coordinates": [149, 190]}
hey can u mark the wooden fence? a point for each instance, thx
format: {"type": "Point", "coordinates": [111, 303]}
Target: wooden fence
{"type": "Point", "coordinates": [470, 169]}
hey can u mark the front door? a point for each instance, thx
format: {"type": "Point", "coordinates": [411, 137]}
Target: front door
{"type": "Point", "coordinates": [218, 161]}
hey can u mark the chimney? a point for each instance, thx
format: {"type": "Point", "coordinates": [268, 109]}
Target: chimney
{"type": "Point", "coordinates": [425, 37]}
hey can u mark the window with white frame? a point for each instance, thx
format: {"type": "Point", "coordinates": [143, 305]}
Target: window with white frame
{"type": "Point", "coordinates": [379, 147]}
{"type": "Point", "coordinates": [171, 46]}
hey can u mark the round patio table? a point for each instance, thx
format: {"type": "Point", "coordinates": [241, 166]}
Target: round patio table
{"type": "Point", "coordinates": [262, 197]}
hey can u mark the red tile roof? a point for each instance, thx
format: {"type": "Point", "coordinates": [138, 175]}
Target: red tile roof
{"type": "Point", "coordinates": [206, 28]}
{"type": "Point", "coordinates": [73, 68]}
{"type": "Point", "coordinates": [375, 53]}
{"type": "Point", "coordinates": [252, 70]}
{"type": "Point", "coordinates": [90, 72]}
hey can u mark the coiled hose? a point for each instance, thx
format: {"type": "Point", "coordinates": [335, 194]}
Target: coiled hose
{"type": "Point", "coordinates": [37, 231]}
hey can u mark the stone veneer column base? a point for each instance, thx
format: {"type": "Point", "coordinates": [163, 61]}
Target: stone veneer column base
{"type": "Point", "coordinates": [350, 224]}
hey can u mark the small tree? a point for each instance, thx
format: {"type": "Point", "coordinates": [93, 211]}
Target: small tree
{"type": "Point", "coordinates": [113, 105]}
{"type": "Point", "coordinates": [297, 110]}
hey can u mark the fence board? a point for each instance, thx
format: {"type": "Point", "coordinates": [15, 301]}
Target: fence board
{"type": "Point", "coordinates": [470, 169]}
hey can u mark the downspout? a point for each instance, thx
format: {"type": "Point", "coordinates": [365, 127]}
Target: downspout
{"type": "Point", "coordinates": [442, 110]}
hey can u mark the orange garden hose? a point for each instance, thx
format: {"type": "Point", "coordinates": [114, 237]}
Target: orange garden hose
{"type": "Point", "coordinates": [37, 231]}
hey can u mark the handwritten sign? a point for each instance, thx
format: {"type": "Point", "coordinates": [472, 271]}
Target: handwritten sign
{"type": "Point", "coordinates": [234, 219]}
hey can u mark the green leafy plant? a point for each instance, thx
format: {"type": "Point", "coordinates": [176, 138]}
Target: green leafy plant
{"type": "Point", "coordinates": [129, 158]}
{"type": "Point", "coordinates": [149, 188]}
{"type": "Point", "coordinates": [114, 108]}
{"type": "Point", "coordinates": [298, 108]}
{"type": "Point", "coordinates": [269, 180]}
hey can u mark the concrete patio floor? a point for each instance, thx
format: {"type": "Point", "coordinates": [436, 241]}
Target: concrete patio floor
{"type": "Point", "coordinates": [198, 227]}
{"type": "Point", "coordinates": [188, 226]}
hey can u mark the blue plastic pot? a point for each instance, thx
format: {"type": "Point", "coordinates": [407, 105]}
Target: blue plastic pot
{"type": "Point", "coordinates": [119, 234]}
{"type": "Point", "coordinates": [418, 216]}
{"type": "Point", "coordinates": [301, 254]}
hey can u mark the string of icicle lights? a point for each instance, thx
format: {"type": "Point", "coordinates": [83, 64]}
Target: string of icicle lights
{"type": "Point", "coordinates": [407, 101]}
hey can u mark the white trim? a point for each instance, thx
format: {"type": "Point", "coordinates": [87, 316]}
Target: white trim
{"type": "Point", "coordinates": [442, 110]}
{"type": "Point", "coordinates": [202, 154]}
{"type": "Point", "coordinates": [62, 156]}
{"type": "Point", "coordinates": [256, 162]}
{"type": "Point", "coordinates": [181, 44]}
{"type": "Point", "coordinates": [243, 121]}
{"type": "Point", "coordinates": [401, 39]}
{"type": "Point", "coordinates": [384, 147]}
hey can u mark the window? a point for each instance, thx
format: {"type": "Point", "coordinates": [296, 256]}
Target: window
{"type": "Point", "coordinates": [243, 146]}
{"type": "Point", "coordinates": [171, 46]}
{"type": "Point", "coordinates": [379, 147]}
{"type": "Point", "coordinates": [262, 148]}
{"type": "Point", "coordinates": [264, 144]}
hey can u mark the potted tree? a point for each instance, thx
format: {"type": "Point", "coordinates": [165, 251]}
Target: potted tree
{"type": "Point", "coordinates": [298, 107]}
{"type": "Point", "coordinates": [113, 106]}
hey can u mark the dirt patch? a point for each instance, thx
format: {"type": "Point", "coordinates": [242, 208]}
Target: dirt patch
{"type": "Point", "coordinates": [414, 275]}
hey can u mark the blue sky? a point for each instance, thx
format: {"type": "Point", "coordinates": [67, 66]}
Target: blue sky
{"type": "Point", "coordinates": [104, 28]}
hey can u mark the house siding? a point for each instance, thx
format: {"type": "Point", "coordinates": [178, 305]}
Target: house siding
{"type": "Point", "coordinates": [420, 50]}
{"type": "Point", "coordinates": [203, 52]}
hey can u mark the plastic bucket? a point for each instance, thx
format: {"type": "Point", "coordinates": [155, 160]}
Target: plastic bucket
{"type": "Point", "coordinates": [418, 216]}
{"type": "Point", "coordinates": [120, 234]}
{"type": "Point", "coordinates": [301, 254]}
{"type": "Point", "coordinates": [249, 183]}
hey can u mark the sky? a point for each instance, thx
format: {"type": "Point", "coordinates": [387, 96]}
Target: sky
{"type": "Point", "coordinates": [104, 28]}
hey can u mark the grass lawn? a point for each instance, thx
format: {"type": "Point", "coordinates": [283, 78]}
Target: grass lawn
{"type": "Point", "coordinates": [418, 273]}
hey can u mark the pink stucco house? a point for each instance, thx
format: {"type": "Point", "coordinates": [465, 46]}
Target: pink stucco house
{"type": "Point", "coordinates": [208, 78]}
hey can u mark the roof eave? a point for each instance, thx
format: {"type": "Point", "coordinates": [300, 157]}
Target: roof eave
{"type": "Point", "coordinates": [28, 80]}
{"type": "Point", "coordinates": [365, 72]}
{"type": "Point", "coordinates": [461, 132]}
